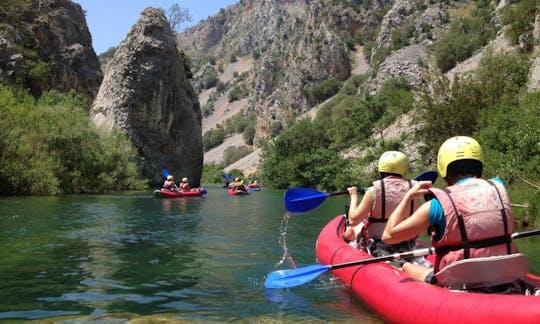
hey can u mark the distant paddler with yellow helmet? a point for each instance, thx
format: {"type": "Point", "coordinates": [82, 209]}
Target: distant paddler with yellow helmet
{"type": "Point", "coordinates": [184, 185]}
{"type": "Point", "coordinates": [470, 218]}
{"type": "Point", "coordinates": [368, 218]}
{"type": "Point", "coordinates": [169, 184]}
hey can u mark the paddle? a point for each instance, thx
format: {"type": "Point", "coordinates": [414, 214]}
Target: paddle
{"type": "Point", "coordinates": [299, 276]}
{"type": "Point", "coordinates": [299, 200]}
{"type": "Point", "coordinates": [227, 177]}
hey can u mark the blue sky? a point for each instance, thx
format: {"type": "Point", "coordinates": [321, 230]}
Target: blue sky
{"type": "Point", "coordinates": [109, 21]}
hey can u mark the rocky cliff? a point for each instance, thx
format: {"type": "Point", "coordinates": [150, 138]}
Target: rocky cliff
{"type": "Point", "coordinates": [46, 45]}
{"type": "Point", "coordinates": [296, 45]}
{"type": "Point", "coordinates": [146, 94]}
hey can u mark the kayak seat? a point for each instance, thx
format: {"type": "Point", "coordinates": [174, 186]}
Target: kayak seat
{"type": "Point", "coordinates": [484, 272]}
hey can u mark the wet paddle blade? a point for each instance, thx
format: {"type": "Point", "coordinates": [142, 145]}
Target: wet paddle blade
{"type": "Point", "coordinates": [165, 173]}
{"type": "Point", "coordinates": [294, 277]}
{"type": "Point", "coordinates": [299, 200]}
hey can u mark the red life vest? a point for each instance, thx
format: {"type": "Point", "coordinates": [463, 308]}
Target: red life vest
{"type": "Point", "coordinates": [479, 222]}
{"type": "Point", "coordinates": [388, 193]}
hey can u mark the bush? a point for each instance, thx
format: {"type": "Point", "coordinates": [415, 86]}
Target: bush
{"type": "Point", "coordinates": [238, 92]}
{"type": "Point", "coordinates": [323, 90]}
{"type": "Point", "coordinates": [50, 147]}
{"type": "Point", "coordinates": [213, 138]}
{"type": "Point", "coordinates": [465, 36]}
{"type": "Point", "coordinates": [520, 18]}
{"type": "Point", "coordinates": [233, 154]}
{"type": "Point", "coordinates": [455, 108]}
{"type": "Point", "coordinates": [300, 157]}
{"type": "Point", "coordinates": [209, 77]}
{"type": "Point", "coordinates": [249, 134]}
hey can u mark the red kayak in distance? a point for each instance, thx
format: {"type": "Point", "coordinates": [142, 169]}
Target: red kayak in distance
{"type": "Point", "coordinates": [165, 193]}
{"type": "Point", "coordinates": [234, 192]}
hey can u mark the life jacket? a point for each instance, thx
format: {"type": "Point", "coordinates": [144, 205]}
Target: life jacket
{"type": "Point", "coordinates": [479, 222]}
{"type": "Point", "coordinates": [168, 184]}
{"type": "Point", "coordinates": [388, 193]}
{"type": "Point", "coordinates": [184, 186]}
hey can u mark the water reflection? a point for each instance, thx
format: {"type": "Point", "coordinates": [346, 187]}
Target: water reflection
{"type": "Point", "coordinates": [197, 259]}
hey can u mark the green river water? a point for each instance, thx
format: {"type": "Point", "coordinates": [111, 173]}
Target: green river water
{"type": "Point", "coordinates": [128, 255]}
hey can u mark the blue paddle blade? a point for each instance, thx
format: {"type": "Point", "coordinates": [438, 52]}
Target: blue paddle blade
{"type": "Point", "coordinates": [203, 191]}
{"type": "Point", "coordinates": [294, 277]}
{"type": "Point", "coordinates": [299, 200]}
{"type": "Point", "coordinates": [165, 173]}
{"type": "Point", "coordinates": [228, 177]}
{"type": "Point", "coordinates": [427, 176]}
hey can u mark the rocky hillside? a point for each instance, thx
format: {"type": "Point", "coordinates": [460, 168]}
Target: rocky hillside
{"type": "Point", "coordinates": [46, 45]}
{"type": "Point", "coordinates": [294, 45]}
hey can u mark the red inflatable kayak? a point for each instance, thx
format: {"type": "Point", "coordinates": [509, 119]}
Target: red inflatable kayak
{"type": "Point", "coordinates": [398, 299]}
{"type": "Point", "coordinates": [164, 193]}
{"type": "Point", "coordinates": [234, 192]}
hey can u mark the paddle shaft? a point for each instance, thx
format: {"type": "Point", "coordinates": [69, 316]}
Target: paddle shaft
{"type": "Point", "coordinates": [346, 192]}
{"type": "Point", "coordinates": [525, 234]}
{"type": "Point", "coordinates": [417, 253]}
{"type": "Point", "coordinates": [395, 256]}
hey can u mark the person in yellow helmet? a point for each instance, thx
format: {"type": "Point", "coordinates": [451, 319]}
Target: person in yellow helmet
{"type": "Point", "coordinates": [367, 219]}
{"type": "Point", "coordinates": [169, 183]}
{"type": "Point", "coordinates": [184, 185]}
{"type": "Point", "coordinates": [238, 185]}
{"type": "Point", "coordinates": [468, 219]}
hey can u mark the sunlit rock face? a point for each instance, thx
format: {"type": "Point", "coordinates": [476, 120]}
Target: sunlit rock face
{"type": "Point", "coordinates": [146, 94]}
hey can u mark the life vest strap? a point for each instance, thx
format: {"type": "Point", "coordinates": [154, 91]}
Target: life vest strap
{"type": "Point", "coordinates": [504, 239]}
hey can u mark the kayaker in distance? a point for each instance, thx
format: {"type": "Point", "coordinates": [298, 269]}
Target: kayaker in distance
{"type": "Point", "coordinates": [470, 218]}
{"type": "Point", "coordinates": [184, 185]}
{"type": "Point", "coordinates": [169, 184]}
{"type": "Point", "coordinates": [368, 219]}
{"type": "Point", "coordinates": [238, 184]}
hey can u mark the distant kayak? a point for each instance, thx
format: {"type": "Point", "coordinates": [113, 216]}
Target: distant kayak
{"type": "Point", "coordinates": [254, 188]}
{"type": "Point", "coordinates": [234, 192]}
{"type": "Point", "coordinates": [164, 193]}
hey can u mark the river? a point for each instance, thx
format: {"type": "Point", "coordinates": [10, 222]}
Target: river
{"type": "Point", "coordinates": [129, 255]}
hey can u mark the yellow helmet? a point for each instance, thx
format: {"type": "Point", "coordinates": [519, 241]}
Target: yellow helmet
{"type": "Point", "coordinates": [184, 179]}
{"type": "Point", "coordinates": [170, 177]}
{"type": "Point", "coordinates": [394, 162]}
{"type": "Point", "coordinates": [458, 148]}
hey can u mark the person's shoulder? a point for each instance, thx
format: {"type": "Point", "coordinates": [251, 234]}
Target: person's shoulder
{"type": "Point", "coordinates": [498, 180]}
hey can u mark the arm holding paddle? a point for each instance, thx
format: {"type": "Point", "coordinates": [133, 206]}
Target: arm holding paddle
{"type": "Point", "coordinates": [357, 212]}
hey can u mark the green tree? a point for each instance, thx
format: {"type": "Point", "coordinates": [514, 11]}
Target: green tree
{"type": "Point", "coordinates": [466, 35]}
{"type": "Point", "coordinates": [300, 157]}
{"type": "Point", "coordinates": [454, 108]}
{"type": "Point", "coordinates": [519, 17]}
{"type": "Point", "coordinates": [49, 146]}
{"type": "Point", "coordinates": [213, 138]}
